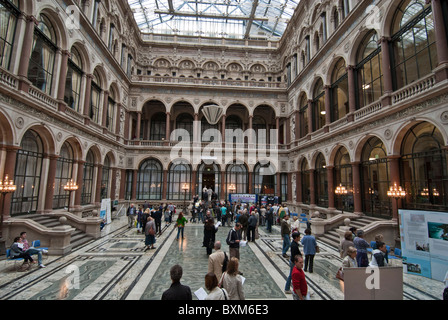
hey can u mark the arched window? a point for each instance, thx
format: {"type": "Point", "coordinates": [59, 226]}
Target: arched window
{"type": "Point", "coordinates": [185, 121]}
{"type": "Point", "coordinates": [369, 75]}
{"type": "Point", "coordinates": [318, 111]}
{"type": "Point", "coordinates": [9, 13]}
{"type": "Point", "coordinates": [27, 175]}
{"type": "Point", "coordinates": [64, 171]}
{"type": "Point", "coordinates": [335, 18]}
{"type": "Point", "coordinates": [40, 70]}
{"type": "Point", "coordinates": [150, 180]}
{"type": "Point", "coordinates": [321, 183]}
{"type": "Point", "coordinates": [305, 182]}
{"type": "Point", "coordinates": [424, 169]}
{"type": "Point", "coordinates": [87, 184]}
{"type": "Point", "coordinates": [105, 179]}
{"type": "Point", "coordinates": [234, 122]}
{"type": "Point", "coordinates": [343, 176]}
{"type": "Point", "coordinates": [237, 176]}
{"type": "Point", "coordinates": [259, 123]}
{"type": "Point", "coordinates": [111, 110]}
{"type": "Point", "coordinates": [375, 179]}
{"type": "Point", "coordinates": [73, 80]}
{"type": "Point", "coordinates": [264, 179]}
{"type": "Point", "coordinates": [414, 48]}
{"type": "Point", "coordinates": [95, 98]}
{"type": "Point", "coordinates": [339, 91]}
{"type": "Point", "coordinates": [303, 117]}
{"type": "Point", "coordinates": [179, 174]}
{"type": "Point", "coordinates": [158, 126]}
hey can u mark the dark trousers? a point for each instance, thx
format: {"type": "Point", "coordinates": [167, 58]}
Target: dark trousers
{"type": "Point", "coordinates": [158, 225]}
{"type": "Point", "coordinates": [309, 261]}
{"type": "Point", "coordinates": [251, 233]}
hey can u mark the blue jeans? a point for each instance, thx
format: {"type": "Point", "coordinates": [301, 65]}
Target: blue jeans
{"type": "Point", "coordinates": [286, 243]}
{"type": "Point", "coordinates": [33, 251]}
{"type": "Point", "coordinates": [288, 281]}
{"type": "Point", "coordinates": [179, 230]}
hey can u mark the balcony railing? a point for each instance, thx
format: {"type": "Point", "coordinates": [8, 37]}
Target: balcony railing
{"type": "Point", "coordinates": [208, 81]}
{"type": "Point", "coordinates": [414, 89]}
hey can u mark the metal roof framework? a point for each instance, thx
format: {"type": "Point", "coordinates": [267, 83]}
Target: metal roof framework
{"type": "Point", "coordinates": [241, 19]}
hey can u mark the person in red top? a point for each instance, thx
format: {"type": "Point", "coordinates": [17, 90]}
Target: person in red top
{"type": "Point", "coordinates": [299, 285]}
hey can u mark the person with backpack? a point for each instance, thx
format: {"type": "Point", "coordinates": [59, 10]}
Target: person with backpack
{"type": "Point", "coordinates": [217, 261]}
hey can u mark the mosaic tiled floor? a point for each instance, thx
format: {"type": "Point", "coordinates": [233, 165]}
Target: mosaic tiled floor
{"type": "Point", "coordinates": [116, 267]}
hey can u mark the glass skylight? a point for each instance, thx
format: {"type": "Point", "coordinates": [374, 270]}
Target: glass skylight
{"type": "Point", "coordinates": [214, 18]}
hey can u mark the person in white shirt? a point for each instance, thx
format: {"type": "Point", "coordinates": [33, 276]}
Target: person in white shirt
{"type": "Point", "coordinates": [379, 256]}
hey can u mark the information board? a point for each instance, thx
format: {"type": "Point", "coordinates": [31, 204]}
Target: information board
{"type": "Point", "coordinates": [243, 198]}
{"type": "Point", "coordinates": [424, 243]}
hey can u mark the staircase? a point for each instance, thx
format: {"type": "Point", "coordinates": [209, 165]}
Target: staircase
{"type": "Point", "coordinates": [331, 237]}
{"type": "Point", "coordinates": [78, 237]}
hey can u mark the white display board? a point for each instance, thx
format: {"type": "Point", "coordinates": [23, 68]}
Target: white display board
{"type": "Point", "coordinates": [424, 243]}
{"type": "Point", "coordinates": [106, 212]}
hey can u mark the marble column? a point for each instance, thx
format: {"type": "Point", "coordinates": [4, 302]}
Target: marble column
{"type": "Point", "coordinates": [165, 184]}
{"type": "Point", "coordinates": [25, 54]}
{"type": "Point", "coordinates": [441, 40]}
{"type": "Point", "coordinates": [312, 188]}
{"type": "Point", "coordinates": [99, 178]}
{"type": "Point", "coordinates": [113, 183]}
{"type": "Point", "coordinates": [87, 99]}
{"type": "Point", "coordinates": [351, 93]}
{"type": "Point", "coordinates": [223, 129]}
{"type": "Point", "coordinates": [394, 171]}
{"type": "Point", "coordinates": [65, 54]}
{"type": "Point", "coordinates": [250, 182]}
{"type": "Point", "coordinates": [139, 124]}
{"type": "Point", "coordinates": [299, 198]}
{"type": "Point", "coordinates": [330, 181]}
{"type": "Point", "coordinates": [9, 169]}
{"type": "Point", "coordinates": [357, 197]}
{"type": "Point", "coordinates": [327, 108]}
{"type": "Point", "coordinates": [105, 107]}
{"type": "Point", "coordinates": [167, 128]}
{"type": "Point", "coordinates": [134, 184]}
{"type": "Point", "coordinates": [79, 182]}
{"type": "Point", "coordinates": [310, 116]}
{"type": "Point", "coordinates": [387, 72]}
{"type": "Point", "coordinates": [122, 184]}
{"type": "Point", "coordinates": [49, 193]}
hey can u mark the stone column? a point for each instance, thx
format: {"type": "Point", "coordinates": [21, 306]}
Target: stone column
{"type": "Point", "coordinates": [357, 197]}
{"type": "Point", "coordinates": [139, 124]}
{"type": "Point", "coordinates": [167, 128]}
{"type": "Point", "coordinates": [49, 193]}
{"type": "Point", "coordinates": [99, 178]}
{"type": "Point", "coordinates": [351, 93]}
{"type": "Point", "coordinates": [387, 72]}
{"type": "Point", "coordinates": [330, 180]}
{"type": "Point", "coordinates": [278, 186]}
{"type": "Point", "coordinates": [441, 40]}
{"type": "Point", "coordinates": [122, 184]}
{"type": "Point", "coordinates": [289, 186]}
{"type": "Point", "coordinates": [299, 198]}
{"type": "Point", "coordinates": [134, 184]}
{"type": "Point", "coordinates": [194, 174]}
{"type": "Point", "coordinates": [87, 99]}
{"type": "Point", "coordinates": [250, 182]}
{"type": "Point", "coordinates": [79, 182]}
{"type": "Point", "coordinates": [394, 171]}
{"type": "Point", "coordinates": [165, 185]}
{"type": "Point", "coordinates": [105, 107]}
{"type": "Point", "coordinates": [223, 185]}
{"type": "Point", "coordinates": [223, 129]}
{"type": "Point", "coordinates": [118, 118]}
{"type": "Point", "coordinates": [65, 54]}
{"type": "Point", "coordinates": [327, 108]}
{"type": "Point", "coordinates": [312, 188]}
{"type": "Point", "coordinates": [9, 169]}
{"type": "Point", "coordinates": [31, 23]}
{"type": "Point", "coordinates": [310, 116]}
{"type": "Point", "coordinates": [113, 183]}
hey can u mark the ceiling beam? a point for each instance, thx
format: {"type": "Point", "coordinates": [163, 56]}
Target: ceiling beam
{"type": "Point", "coordinates": [210, 16]}
{"type": "Point", "coordinates": [251, 19]}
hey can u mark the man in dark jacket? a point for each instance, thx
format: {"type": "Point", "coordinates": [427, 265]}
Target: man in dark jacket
{"type": "Point", "coordinates": [233, 240]}
{"type": "Point", "coordinates": [177, 291]}
{"type": "Point", "coordinates": [269, 218]}
{"type": "Point", "coordinates": [252, 224]}
{"type": "Point", "coordinates": [157, 215]}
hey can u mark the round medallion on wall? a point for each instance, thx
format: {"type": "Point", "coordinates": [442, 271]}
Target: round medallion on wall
{"type": "Point", "coordinates": [20, 122]}
{"type": "Point", "coordinates": [444, 117]}
{"type": "Point", "coordinates": [59, 136]}
{"type": "Point", "coordinates": [388, 134]}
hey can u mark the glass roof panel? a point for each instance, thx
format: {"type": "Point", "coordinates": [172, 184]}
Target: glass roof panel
{"type": "Point", "coordinates": [214, 18]}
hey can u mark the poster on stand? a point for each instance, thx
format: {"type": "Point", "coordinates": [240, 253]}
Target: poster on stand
{"type": "Point", "coordinates": [243, 198]}
{"type": "Point", "coordinates": [424, 243]}
{"type": "Point", "coordinates": [106, 212]}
